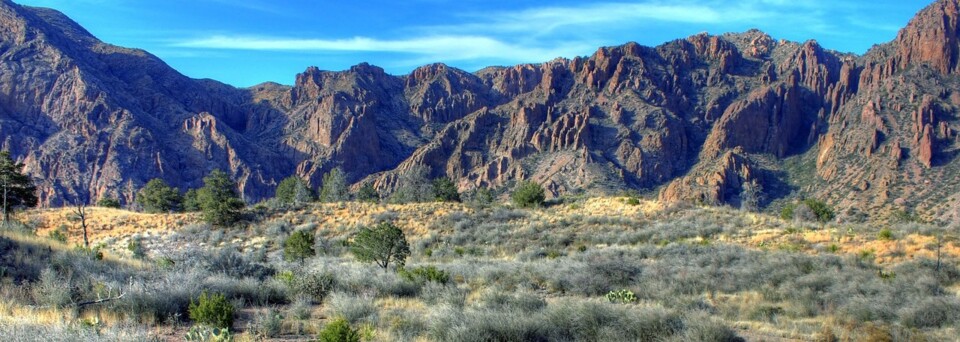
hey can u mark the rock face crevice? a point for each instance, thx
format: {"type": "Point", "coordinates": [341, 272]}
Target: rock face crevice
{"type": "Point", "coordinates": [696, 117]}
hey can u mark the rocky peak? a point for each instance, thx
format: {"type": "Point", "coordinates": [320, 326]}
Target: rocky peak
{"type": "Point", "coordinates": [931, 38]}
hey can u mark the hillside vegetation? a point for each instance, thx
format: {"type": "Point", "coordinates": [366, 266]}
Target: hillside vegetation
{"type": "Point", "coordinates": [577, 269]}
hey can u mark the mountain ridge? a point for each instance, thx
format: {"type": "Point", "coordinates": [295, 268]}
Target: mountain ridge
{"type": "Point", "coordinates": [697, 118]}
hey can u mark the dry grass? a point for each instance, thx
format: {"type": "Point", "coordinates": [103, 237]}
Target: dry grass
{"type": "Point", "coordinates": [339, 219]}
{"type": "Point", "coordinates": [106, 223]}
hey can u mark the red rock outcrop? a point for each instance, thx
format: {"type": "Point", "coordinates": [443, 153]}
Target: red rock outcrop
{"type": "Point", "coordinates": [699, 116]}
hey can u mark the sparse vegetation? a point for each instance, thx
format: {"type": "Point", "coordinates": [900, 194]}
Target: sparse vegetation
{"type": "Point", "coordinates": [604, 269]}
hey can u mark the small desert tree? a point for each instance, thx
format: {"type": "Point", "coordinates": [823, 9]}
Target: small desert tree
{"type": "Point", "coordinates": [81, 215]}
{"type": "Point", "coordinates": [108, 202]}
{"type": "Point", "coordinates": [414, 186]}
{"type": "Point", "coordinates": [298, 246]}
{"type": "Point", "coordinates": [218, 199]}
{"type": "Point", "coordinates": [382, 244]}
{"type": "Point", "coordinates": [293, 190]}
{"type": "Point", "coordinates": [751, 195]}
{"type": "Point", "coordinates": [16, 188]}
{"type": "Point", "coordinates": [191, 201]}
{"type": "Point", "coordinates": [480, 197]}
{"type": "Point", "coordinates": [158, 197]}
{"type": "Point", "coordinates": [528, 194]}
{"type": "Point", "coordinates": [367, 193]}
{"type": "Point", "coordinates": [445, 191]}
{"type": "Point", "coordinates": [334, 187]}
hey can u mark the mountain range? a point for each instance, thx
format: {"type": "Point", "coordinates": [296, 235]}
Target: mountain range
{"type": "Point", "coordinates": [695, 119]}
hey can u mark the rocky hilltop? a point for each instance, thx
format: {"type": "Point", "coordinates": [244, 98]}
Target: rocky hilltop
{"type": "Point", "coordinates": [696, 118]}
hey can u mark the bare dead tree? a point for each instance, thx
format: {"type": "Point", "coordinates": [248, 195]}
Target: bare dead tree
{"type": "Point", "coordinates": [80, 214]}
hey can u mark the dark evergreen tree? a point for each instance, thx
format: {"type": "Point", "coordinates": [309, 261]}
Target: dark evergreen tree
{"type": "Point", "coordinates": [158, 197]}
{"type": "Point", "coordinates": [218, 199]}
{"type": "Point", "coordinates": [17, 189]}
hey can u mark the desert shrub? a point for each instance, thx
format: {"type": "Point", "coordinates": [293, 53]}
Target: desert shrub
{"type": "Point", "coordinates": [700, 327]}
{"type": "Point", "coordinates": [822, 211]}
{"type": "Point", "coordinates": [339, 330]}
{"type": "Point", "coordinates": [498, 299]}
{"type": "Point", "coordinates": [269, 323]}
{"type": "Point", "coordinates": [436, 294]}
{"type": "Point", "coordinates": [885, 234]}
{"type": "Point", "coordinates": [59, 234]}
{"type": "Point", "coordinates": [931, 312]}
{"type": "Point", "coordinates": [212, 310]}
{"type": "Point", "coordinates": [444, 190]}
{"type": "Point", "coordinates": [312, 285]}
{"type": "Point", "coordinates": [352, 308]}
{"type": "Point", "coordinates": [633, 201]}
{"type": "Point", "coordinates": [109, 202]}
{"type": "Point", "coordinates": [424, 274]}
{"type": "Point", "coordinates": [52, 289]}
{"type": "Point", "coordinates": [368, 194]}
{"type": "Point", "coordinates": [229, 261]}
{"type": "Point", "coordinates": [528, 194]}
{"type": "Point", "coordinates": [301, 308]}
{"type": "Point", "coordinates": [299, 246]}
{"type": "Point", "coordinates": [135, 246]}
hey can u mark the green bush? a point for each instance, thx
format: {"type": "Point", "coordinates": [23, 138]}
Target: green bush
{"type": "Point", "coordinates": [213, 310]}
{"type": "Point", "coordinates": [445, 191]}
{"type": "Point", "coordinates": [368, 194]}
{"type": "Point", "coordinates": [293, 190]}
{"type": "Point", "coordinates": [339, 331]}
{"type": "Point", "coordinates": [633, 201]}
{"type": "Point", "coordinates": [787, 212]}
{"type": "Point", "coordinates": [885, 234]}
{"type": "Point", "coordinates": [158, 197]}
{"type": "Point", "coordinates": [135, 246]}
{"type": "Point", "coordinates": [621, 297]}
{"type": "Point", "coordinates": [299, 246]}
{"type": "Point", "coordinates": [424, 274]}
{"type": "Point", "coordinates": [59, 234]}
{"type": "Point", "coordinates": [109, 202]}
{"type": "Point", "coordinates": [528, 194]}
{"type": "Point", "coordinates": [823, 211]}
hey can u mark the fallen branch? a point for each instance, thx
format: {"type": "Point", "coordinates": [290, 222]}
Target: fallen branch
{"type": "Point", "coordinates": [98, 301]}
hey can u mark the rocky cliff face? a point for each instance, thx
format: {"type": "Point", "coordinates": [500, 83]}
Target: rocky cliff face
{"type": "Point", "coordinates": [697, 117]}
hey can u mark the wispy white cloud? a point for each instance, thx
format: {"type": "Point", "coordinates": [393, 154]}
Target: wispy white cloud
{"type": "Point", "coordinates": [443, 47]}
{"type": "Point", "coordinates": [545, 19]}
{"type": "Point", "coordinates": [543, 33]}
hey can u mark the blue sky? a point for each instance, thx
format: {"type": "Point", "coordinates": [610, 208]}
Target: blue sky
{"type": "Point", "coordinates": [245, 42]}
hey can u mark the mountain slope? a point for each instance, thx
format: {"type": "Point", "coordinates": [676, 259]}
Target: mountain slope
{"type": "Point", "coordinates": [697, 117]}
